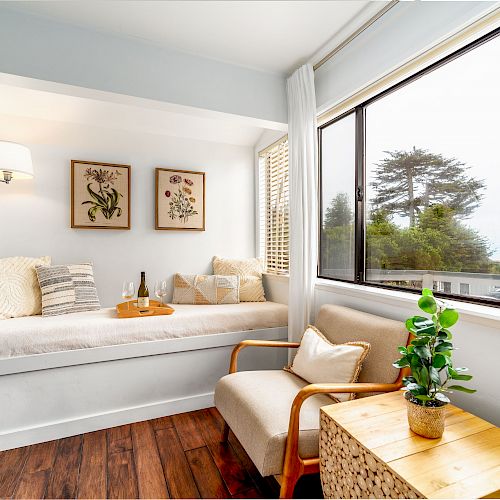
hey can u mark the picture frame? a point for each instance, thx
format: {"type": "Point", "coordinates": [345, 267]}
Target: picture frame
{"type": "Point", "coordinates": [179, 200]}
{"type": "Point", "coordinates": [100, 195]}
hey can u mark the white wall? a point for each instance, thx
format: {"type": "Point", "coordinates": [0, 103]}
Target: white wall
{"type": "Point", "coordinates": [404, 31]}
{"type": "Point", "coordinates": [39, 48]}
{"type": "Point", "coordinates": [36, 213]}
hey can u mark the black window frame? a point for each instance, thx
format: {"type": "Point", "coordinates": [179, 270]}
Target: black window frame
{"type": "Point", "coordinates": [360, 181]}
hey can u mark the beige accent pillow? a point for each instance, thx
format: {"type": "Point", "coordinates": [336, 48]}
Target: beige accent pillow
{"type": "Point", "coordinates": [319, 361]}
{"type": "Point", "coordinates": [250, 273]}
{"type": "Point", "coordinates": [202, 289]}
{"type": "Point", "coordinates": [19, 290]}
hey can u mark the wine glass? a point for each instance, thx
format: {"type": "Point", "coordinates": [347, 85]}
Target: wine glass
{"type": "Point", "coordinates": [161, 290]}
{"type": "Point", "coordinates": [128, 290]}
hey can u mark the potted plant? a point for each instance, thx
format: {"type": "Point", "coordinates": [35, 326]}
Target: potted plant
{"type": "Point", "coordinates": [429, 358]}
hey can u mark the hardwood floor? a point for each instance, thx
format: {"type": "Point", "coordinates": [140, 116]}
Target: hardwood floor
{"type": "Point", "coordinates": [168, 457]}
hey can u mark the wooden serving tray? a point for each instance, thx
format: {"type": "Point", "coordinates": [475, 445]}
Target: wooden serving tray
{"type": "Point", "coordinates": [130, 310]}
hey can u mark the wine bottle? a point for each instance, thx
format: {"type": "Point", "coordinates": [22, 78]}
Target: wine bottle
{"type": "Point", "coordinates": [143, 292]}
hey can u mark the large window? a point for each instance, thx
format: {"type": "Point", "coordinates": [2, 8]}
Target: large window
{"type": "Point", "coordinates": [274, 207]}
{"type": "Point", "coordinates": [410, 182]}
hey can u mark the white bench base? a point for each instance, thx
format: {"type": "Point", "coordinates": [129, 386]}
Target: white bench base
{"type": "Point", "coordinates": [60, 394]}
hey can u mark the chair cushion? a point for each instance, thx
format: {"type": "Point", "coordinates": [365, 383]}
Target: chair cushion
{"type": "Point", "coordinates": [342, 324]}
{"type": "Point", "coordinates": [256, 405]}
{"type": "Point", "coordinates": [319, 361]}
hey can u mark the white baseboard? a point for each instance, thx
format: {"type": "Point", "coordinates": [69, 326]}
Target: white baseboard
{"type": "Point", "coordinates": [90, 423]}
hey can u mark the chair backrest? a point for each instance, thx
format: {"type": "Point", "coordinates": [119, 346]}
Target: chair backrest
{"type": "Point", "coordinates": [342, 324]}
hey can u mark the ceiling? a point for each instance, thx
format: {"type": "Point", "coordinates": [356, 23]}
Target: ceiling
{"type": "Point", "coordinates": [43, 111]}
{"type": "Point", "coordinates": [275, 36]}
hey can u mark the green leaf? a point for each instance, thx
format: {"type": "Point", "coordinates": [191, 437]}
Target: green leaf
{"type": "Point", "coordinates": [424, 376]}
{"type": "Point", "coordinates": [442, 397]}
{"type": "Point", "coordinates": [457, 376]}
{"type": "Point", "coordinates": [423, 397]}
{"type": "Point", "coordinates": [416, 389]}
{"type": "Point", "coordinates": [402, 350]}
{"type": "Point", "coordinates": [422, 352]}
{"type": "Point", "coordinates": [439, 361]}
{"type": "Point", "coordinates": [443, 347]}
{"type": "Point", "coordinates": [427, 304]}
{"type": "Point", "coordinates": [401, 363]}
{"type": "Point", "coordinates": [427, 291]}
{"type": "Point", "coordinates": [449, 336]}
{"type": "Point", "coordinates": [415, 361]}
{"type": "Point", "coordinates": [448, 318]}
{"type": "Point", "coordinates": [461, 389]}
{"type": "Point", "coordinates": [409, 325]}
{"type": "Point", "coordinates": [419, 341]}
{"type": "Point", "coordinates": [434, 374]}
{"type": "Point", "coordinates": [409, 380]}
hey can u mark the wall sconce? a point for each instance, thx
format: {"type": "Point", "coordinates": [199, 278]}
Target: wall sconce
{"type": "Point", "coordinates": [15, 162]}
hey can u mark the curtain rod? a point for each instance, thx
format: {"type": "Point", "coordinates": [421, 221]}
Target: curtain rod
{"type": "Point", "coordinates": [360, 30]}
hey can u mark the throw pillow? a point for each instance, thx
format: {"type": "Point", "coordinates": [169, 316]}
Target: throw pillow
{"type": "Point", "coordinates": [19, 290]}
{"type": "Point", "coordinates": [319, 361]}
{"type": "Point", "coordinates": [250, 273]}
{"type": "Point", "coordinates": [67, 289]}
{"type": "Point", "coordinates": [201, 289]}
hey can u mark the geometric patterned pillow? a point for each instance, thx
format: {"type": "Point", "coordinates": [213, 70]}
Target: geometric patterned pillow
{"type": "Point", "coordinates": [205, 289]}
{"type": "Point", "coordinates": [67, 289]}
{"type": "Point", "coordinates": [19, 289]}
{"type": "Point", "coordinates": [250, 273]}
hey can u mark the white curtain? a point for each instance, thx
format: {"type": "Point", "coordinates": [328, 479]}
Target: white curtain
{"type": "Point", "coordinates": [303, 198]}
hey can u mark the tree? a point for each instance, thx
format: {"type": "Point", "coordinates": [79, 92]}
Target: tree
{"type": "Point", "coordinates": [408, 182]}
{"type": "Point", "coordinates": [339, 212]}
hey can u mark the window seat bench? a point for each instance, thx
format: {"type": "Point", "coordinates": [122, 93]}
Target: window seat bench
{"type": "Point", "coordinates": [64, 375]}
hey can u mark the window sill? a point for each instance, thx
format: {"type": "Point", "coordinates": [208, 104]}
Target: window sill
{"type": "Point", "coordinates": [489, 316]}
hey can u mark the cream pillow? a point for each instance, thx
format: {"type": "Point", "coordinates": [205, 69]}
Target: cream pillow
{"type": "Point", "coordinates": [202, 289]}
{"type": "Point", "coordinates": [19, 290]}
{"type": "Point", "coordinates": [250, 273]}
{"type": "Point", "coordinates": [319, 361]}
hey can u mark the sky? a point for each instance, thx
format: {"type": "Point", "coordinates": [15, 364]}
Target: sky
{"type": "Point", "coordinates": [453, 111]}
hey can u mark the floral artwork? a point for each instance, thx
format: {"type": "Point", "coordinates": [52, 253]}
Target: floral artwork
{"type": "Point", "coordinates": [108, 198]}
{"type": "Point", "coordinates": [100, 195]}
{"type": "Point", "coordinates": [180, 199]}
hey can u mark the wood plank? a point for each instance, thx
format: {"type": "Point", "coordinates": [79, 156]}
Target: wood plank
{"type": "Point", "coordinates": [161, 423]}
{"type": "Point", "coordinates": [63, 481]}
{"type": "Point", "coordinates": [368, 432]}
{"type": "Point", "coordinates": [476, 486]}
{"type": "Point", "coordinates": [36, 473]}
{"type": "Point", "coordinates": [188, 431]}
{"type": "Point", "coordinates": [122, 479]}
{"type": "Point", "coordinates": [414, 443]}
{"type": "Point", "coordinates": [11, 466]}
{"type": "Point", "coordinates": [443, 455]}
{"type": "Point", "coordinates": [92, 482]}
{"type": "Point", "coordinates": [176, 469]}
{"type": "Point", "coordinates": [232, 471]}
{"type": "Point", "coordinates": [150, 478]}
{"type": "Point", "coordinates": [206, 474]}
{"type": "Point", "coordinates": [119, 439]}
{"type": "Point", "coordinates": [251, 493]}
{"type": "Point", "coordinates": [357, 409]}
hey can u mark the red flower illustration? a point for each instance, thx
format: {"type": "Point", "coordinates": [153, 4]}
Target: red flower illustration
{"type": "Point", "coordinates": [167, 194]}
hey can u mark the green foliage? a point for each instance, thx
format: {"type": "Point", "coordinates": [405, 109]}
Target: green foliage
{"type": "Point", "coordinates": [105, 201]}
{"type": "Point", "coordinates": [429, 354]}
{"type": "Point", "coordinates": [408, 182]}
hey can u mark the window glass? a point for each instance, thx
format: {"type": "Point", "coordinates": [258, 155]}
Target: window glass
{"type": "Point", "coordinates": [433, 179]}
{"type": "Point", "coordinates": [337, 199]}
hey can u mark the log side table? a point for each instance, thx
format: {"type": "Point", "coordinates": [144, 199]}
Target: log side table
{"type": "Point", "coordinates": [368, 451]}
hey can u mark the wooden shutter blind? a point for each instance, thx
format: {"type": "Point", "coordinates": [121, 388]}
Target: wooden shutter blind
{"type": "Point", "coordinates": [274, 207]}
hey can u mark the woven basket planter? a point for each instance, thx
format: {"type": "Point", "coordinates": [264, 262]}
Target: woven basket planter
{"type": "Point", "coordinates": [425, 421]}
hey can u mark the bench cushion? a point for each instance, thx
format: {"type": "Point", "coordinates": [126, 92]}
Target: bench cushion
{"type": "Point", "coordinates": [257, 404]}
{"type": "Point", "coordinates": [37, 334]}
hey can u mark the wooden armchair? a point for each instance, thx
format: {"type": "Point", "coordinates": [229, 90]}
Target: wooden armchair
{"type": "Point", "coordinates": [275, 414]}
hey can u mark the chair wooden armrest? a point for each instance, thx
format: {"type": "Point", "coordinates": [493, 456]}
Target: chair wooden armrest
{"type": "Point", "coordinates": [256, 343]}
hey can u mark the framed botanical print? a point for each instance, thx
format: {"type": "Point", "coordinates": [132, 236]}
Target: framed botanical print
{"type": "Point", "coordinates": [100, 195]}
{"type": "Point", "coordinates": [180, 200]}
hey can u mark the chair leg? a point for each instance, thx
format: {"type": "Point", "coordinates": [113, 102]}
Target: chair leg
{"type": "Point", "coordinates": [288, 485]}
{"type": "Point", "coordinates": [225, 433]}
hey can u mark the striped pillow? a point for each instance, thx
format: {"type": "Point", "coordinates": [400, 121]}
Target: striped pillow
{"type": "Point", "coordinates": [67, 289]}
